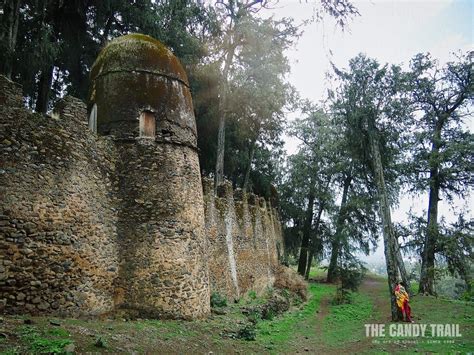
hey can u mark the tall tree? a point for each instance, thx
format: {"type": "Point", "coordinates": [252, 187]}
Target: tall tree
{"type": "Point", "coordinates": [8, 35]}
{"type": "Point", "coordinates": [442, 151]}
{"type": "Point", "coordinates": [315, 172]}
{"type": "Point", "coordinates": [369, 99]}
{"type": "Point", "coordinates": [355, 222]}
{"type": "Point", "coordinates": [58, 41]}
{"type": "Point", "coordinates": [234, 16]}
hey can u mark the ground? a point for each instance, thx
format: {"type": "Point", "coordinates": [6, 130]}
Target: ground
{"type": "Point", "coordinates": [317, 326]}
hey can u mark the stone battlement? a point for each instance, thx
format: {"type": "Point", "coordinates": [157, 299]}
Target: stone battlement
{"type": "Point", "coordinates": [97, 224]}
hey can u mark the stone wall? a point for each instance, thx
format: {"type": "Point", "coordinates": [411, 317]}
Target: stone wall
{"type": "Point", "coordinates": [91, 225]}
{"type": "Point", "coordinates": [245, 240]}
{"type": "Point", "coordinates": [58, 214]}
{"type": "Point", "coordinates": [161, 240]}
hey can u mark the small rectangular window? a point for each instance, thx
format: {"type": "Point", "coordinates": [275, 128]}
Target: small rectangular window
{"type": "Point", "coordinates": [147, 124]}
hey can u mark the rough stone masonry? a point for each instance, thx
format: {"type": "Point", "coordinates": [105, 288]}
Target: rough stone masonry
{"type": "Point", "coordinates": [105, 212]}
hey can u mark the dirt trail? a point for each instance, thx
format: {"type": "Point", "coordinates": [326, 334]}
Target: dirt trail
{"type": "Point", "coordinates": [375, 289]}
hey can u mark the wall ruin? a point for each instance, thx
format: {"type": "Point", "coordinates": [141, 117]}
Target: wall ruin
{"type": "Point", "coordinates": [245, 240]}
{"type": "Point", "coordinates": [90, 225]}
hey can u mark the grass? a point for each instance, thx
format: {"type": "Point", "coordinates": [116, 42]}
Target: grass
{"type": "Point", "coordinates": [432, 310]}
{"type": "Point", "coordinates": [49, 340]}
{"type": "Point", "coordinates": [317, 273]}
{"type": "Point", "coordinates": [314, 327]}
{"type": "Point", "coordinates": [345, 322]}
{"type": "Point", "coordinates": [275, 334]}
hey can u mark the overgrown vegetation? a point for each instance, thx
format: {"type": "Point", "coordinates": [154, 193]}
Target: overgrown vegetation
{"type": "Point", "coordinates": [44, 341]}
{"type": "Point", "coordinates": [317, 326]}
{"type": "Point", "coordinates": [217, 300]}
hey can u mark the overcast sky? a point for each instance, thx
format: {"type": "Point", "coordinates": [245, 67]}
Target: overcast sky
{"type": "Point", "coordinates": [390, 31]}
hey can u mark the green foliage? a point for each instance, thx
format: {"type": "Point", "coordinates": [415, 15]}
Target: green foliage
{"type": "Point", "coordinates": [218, 300]}
{"type": "Point", "coordinates": [59, 40]}
{"type": "Point", "coordinates": [58, 332]}
{"type": "Point", "coordinates": [248, 332]}
{"type": "Point", "coordinates": [468, 294]}
{"type": "Point", "coordinates": [100, 343]}
{"type": "Point", "coordinates": [39, 343]}
{"type": "Point", "coordinates": [252, 294]}
{"type": "Point", "coordinates": [352, 274]}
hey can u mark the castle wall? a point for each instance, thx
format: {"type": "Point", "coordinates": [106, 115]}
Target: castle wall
{"type": "Point", "coordinates": [57, 213]}
{"type": "Point", "coordinates": [244, 236]}
{"type": "Point", "coordinates": [161, 237]}
{"type": "Point", "coordinates": [91, 225]}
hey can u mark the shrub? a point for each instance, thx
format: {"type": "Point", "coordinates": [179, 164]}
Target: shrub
{"type": "Point", "coordinates": [248, 332]}
{"type": "Point", "coordinates": [286, 278]}
{"type": "Point", "coordinates": [351, 273]}
{"type": "Point", "coordinates": [100, 343]}
{"type": "Point", "coordinates": [217, 300]}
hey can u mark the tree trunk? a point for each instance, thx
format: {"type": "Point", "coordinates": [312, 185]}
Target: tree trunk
{"type": "Point", "coordinates": [44, 88]}
{"type": "Point", "coordinates": [336, 243]}
{"type": "Point", "coordinates": [8, 35]}
{"type": "Point", "coordinates": [312, 249]}
{"type": "Point", "coordinates": [306, 233]}
{"type": "Point", "coordinates": [249, 165]}
{"type": "Point", "coordinates": [388, 233]}
{"type": "Point", "coordinates": [428, 255]}
{"type": "Point", "coordinates": [308, 264]}
{"type": "Point", "coordinates": [219, 178]}
{"type": "Point", "coordinates": [401, 266]}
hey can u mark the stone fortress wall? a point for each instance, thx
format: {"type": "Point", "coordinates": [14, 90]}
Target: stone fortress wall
{"type": "Point", "coordinates": [94, 224]}
{"type": "Point", "coordinates": [58, 211]}
{"type": "Point", "coordinates": [245, 240]}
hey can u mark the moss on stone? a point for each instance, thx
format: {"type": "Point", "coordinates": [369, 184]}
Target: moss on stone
{"type": "Point", "coordinates": [138, 52]}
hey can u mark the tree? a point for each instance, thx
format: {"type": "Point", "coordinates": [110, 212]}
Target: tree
{"type": "Point", "coordinates": [369, 99]}
{"type": "Point", "coordinates": [235, 15]}
{"type": "Point", "coordinates": [312, 170]}
{"type": "Point", "coordinates": [442, 147]}
{"type": "Point", "coordinates": [57, 41]}
{"type": "Point", "coordinates": [8, 35]}
{"type": "Point", "coordinates": [355, 220]}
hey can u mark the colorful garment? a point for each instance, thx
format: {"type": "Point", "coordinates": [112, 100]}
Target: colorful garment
{"type": "Point", "coordinates": [401, 295]}
{"type": "Point", "coordinates": [402, 301]}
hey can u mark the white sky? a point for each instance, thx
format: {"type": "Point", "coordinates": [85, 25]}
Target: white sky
{"type": "Point", "coordinates": [390, 31]}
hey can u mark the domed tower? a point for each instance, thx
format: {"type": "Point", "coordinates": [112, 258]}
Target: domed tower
{"type": "Point", "coordinates": [140, 97]}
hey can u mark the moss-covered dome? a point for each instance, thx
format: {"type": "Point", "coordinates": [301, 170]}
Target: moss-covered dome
{"type": "Point", "coordinates": [136, 75]}
{"type": "Point", "coordinates": [138, 52]}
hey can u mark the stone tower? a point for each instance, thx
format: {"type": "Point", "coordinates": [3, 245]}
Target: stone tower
{"type": "Point", "coordinates": [140, 97]}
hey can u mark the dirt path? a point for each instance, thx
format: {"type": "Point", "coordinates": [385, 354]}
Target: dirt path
{"type": "Point", "coordinates": [314, 343]}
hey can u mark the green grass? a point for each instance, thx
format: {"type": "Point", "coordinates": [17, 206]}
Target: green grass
{"type": "Point", "coordinates": [317, 273]}
{"type": "Point", "coordinates": [432, 310]}
{"type": "Point", "coordinates": [276, 333]}
{"type": "Point", "coordinates": [345, 322]}
{"type": "Point", "coordinates": [166, 329]}
{"type": "Point", "coordinates": [49, 341]}
{"type": "Point", "coordinates": [339, 329]}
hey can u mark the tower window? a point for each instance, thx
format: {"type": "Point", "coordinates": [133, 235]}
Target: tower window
{"type": "Point", "coordinates": [147, 124]}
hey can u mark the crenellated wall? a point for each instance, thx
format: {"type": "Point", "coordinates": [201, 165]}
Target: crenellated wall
{"type": "Point", "coordinates": [58, 211]}
{"type": "Point", "coordinates": [90, 225]}
{"type": "Point", "coordinates": [245, 240]}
